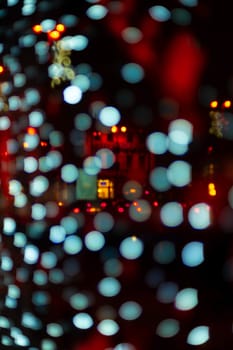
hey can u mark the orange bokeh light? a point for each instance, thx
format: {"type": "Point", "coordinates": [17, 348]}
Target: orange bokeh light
{"type": "Point", "coordinates": [60, 27]}
{"type": "Point", "coordinates": [227, 104]}
{"type": "Point", "coordinates": [54, 35]}
{"type": "Point", "coordinates": [123, 129]}
{"type": "Point", "coordinates": [1, 69]}
{"type": "Point", "coordinates": [37, 28]}
{"type": "Point", "coordinates": [114, 129]}
{"type": "Point", "coordinates": [31, 130]}
{"type": "Point", "coordinates": [214, 104]}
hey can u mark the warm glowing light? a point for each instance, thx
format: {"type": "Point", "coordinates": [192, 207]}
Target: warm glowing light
{"type": "Point", "coordinates": [211, 189]}
{"type": "Point", "coordinates": [214, 104]}
{"type": "Point", "coordinates": [114, 129]}
{"type": "Point", "coordinates": [60, 204]}
{"type": "Point", "coordinates": [227, 104]}
{"type": "Point", "coordinates": [1, 69]}
{"type": "Point", "coordinates": [60, 27]}
{"type": "Point", "coordinates": [123, 129]}
{"type": "Point", "coordinates": [134, 238]}
{"type": "Point", "coordinates": [37, 28]}
{"type": "Point", "coordinates": [31, 131]}
{"type": "Point", "coordinates": [25, 145]}
{"type": "Point", "coordinates": [76, 210]}
{"type": "Point", "coordinates": [43, 143]}
{"type": "Point", "coordinates": [54, 35]}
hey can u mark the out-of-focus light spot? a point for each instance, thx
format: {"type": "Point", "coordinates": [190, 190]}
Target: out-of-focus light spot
{"type": "Point", "coordinates": [131, 35]}
{"type": "Point", "coordinates": [214, 104]}
{"type": "Point", "coordinates": [181, 17]}
{"type": "Point", "coordinates": [164, 252]}
{"type": "Point", "coordinates": [41, 298]}
{"type": "Point", "coordinates": [92, 165]}
{"type": "Point", "coordinates": [132, 73]}
{"type": "Point", "coordinates": [123, 129]}
{"type": "Point", "coordinates": [177, 148]}
{"type": "Point", "coordinates": [48, 25]}
{"type": "Point", "coordinates": [56, 276]}
{"type": "Point", "coordinates": [1, 69]}
{"type": "Point", "coordinates": [54, 35]}
{"type": "Point", "coordinates": [168, 328]}
{"type": "Point", "coordinates": [109, 116]}
{"type": "Point", "coordinates": [181, 131]}
{"type": "Point", "coordinates": [19, 80]}
{"type": "Point", "coordinates": [30, 142]}
{"type": "Point", "coordinates": [9, 226]}
{"type": "Point", "coordinates": [57, 234]}
{"type": "Point", "coordinates": [32, 96]}
{"type": "Point", "coordinates": [199, 216]}
{"type": "Point", "coordinates": [131, 248]}
{"type": "Point", "coordinates": [31, 321]}
{"type": "Point", "coordinates": [130, 310]}
{"type": "Point", "coordinates": [54, 330]}
{"type": "Point", "coordinates": [82, 81]}
{"type": "Point", "coordinates": [19, 240]}
{"type": "Point", "coordinates": [198, 335]}
{"type": "Point", "coordinates": [56, 139]}
{"type": "Point", "coordinates": [193, 254]}
{"type": "Point", "coordinates": [159, 180]}
{"type": "Point", "coordinates": [109, 287]}
{"type": "Point", "coordinates": [108, 327]}
{"type": "Point", "coordinates": [107, 157]}
{"type": "Point", "coordinates": [6, 263]}
{"type": "Point", "coordinates": [48, 260]}
{"type": "Point", "coordinates": [69, 173]}
{"type": "Point", "coordinates": [179, 173]}
{"type": "Point", "coordinates": [159, 13]}
{"type": "Point", "coordinates": [78, 42]}
{"type": "Point", "coordinates": [40, 277]}
{"type": "Point", "coordinates": [97, 12]}
{"type": "Point", "coordinates": [37, 28]}
{"type": "Point", "coordinates": [140, 210]}
{"type": "Point", "coordinates": [113, 267]}
{"type": "Point", "coordinates": [4, 123]}
{"type": "Point", "coordinates": [36, 118]}
{"type": "Point", "coordinates": [70, 224]}
{"type": "Point", "coordinates": [172, 214]}
{"type": "Point", "coordinates": [211, 189]}
{"type": "Point", "coordinates": [31, 254]}
{"type": "Point", "coordinates": [60, 27]}
{"type": "Point", "coordinates": [186, 299]}
{"type": "Point", "coordinates": [79, 301]}
{"type": "Point", "coordinates": [38, 211]}
{"type": "Point", "coordinates": [30, 164]}
{"type": "Point", "coordinates": [38, 185]}
{"type": "Point", "coordinates": [73, 245]}
{"type": "Point", "coordinates": [82, 121]}
{"type": "Point", "coordinates": [48, 344]}
{"type": "Point", "coordinates": [69, 20]}
{"type": "Point", "coordinates": [190, 3]}
{"type": "Point", "coordinates": [103, 222]}
{"type": "Point", "coordinates": [114, 129]}
{"type": "Point", "coordinates": [132, 190]}
{"type": "Point", "coordinates": [12, 2]}
{"type": "Point", "coordinates": [157, 143]}
{"type": "Point", "coordinates": [227, 104]}
{"type": "Point", "coordinates": [72, 94]}
{"type": "Point", "coordinates": [166, 292]}
{"type": "Point", "coordinates": [94, 240]}
{"type": "Point", "coordinates": [83, 320]}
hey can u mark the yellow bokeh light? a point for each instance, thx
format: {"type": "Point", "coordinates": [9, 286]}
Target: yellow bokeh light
{"type": "Point", "coordinates": [214, 104]}
{"type": "Point", "coordinates": [114, 129]}
{"type": "Point", "coordinates": [227, 104]}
